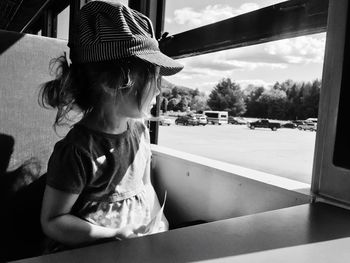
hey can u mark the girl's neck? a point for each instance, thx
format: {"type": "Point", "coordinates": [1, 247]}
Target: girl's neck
{"type": "Point", "coordinates": [105, 122]}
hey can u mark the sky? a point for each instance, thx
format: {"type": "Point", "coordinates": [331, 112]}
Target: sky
{"type": "Point", "coordinates": [299, 59]}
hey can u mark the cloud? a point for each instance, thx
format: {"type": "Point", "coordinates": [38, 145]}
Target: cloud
{"type": "Point", "coordinates": [200, 82]}
{"type": "Point", "coordinates": [299, 50]}
{"type": "Point", "coordinates": [224, 62]}
{"type": "Point", "coordinates": [168, 20]}
{"type": "Point", "coordinates": [207, 86]}
{"type": "Point", "coordinates": [255, 54]}
{"type": "Point", "coordinates": [191, 18]}
{"type": "Point", "coordinates": [190, 71]}
{"type": "Point", "coordinates": [256, 82]}
{"type": "Point", "coordinates": [216, 64]}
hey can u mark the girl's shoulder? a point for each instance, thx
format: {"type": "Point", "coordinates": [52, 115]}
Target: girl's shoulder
{"type": "Point", "coordinates": [77, 138]}
{"type": "Point", "coordinates": [86, 140]}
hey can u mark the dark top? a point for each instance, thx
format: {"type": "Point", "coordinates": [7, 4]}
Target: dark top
{"type": "Point", "coordinates": [107, 172]}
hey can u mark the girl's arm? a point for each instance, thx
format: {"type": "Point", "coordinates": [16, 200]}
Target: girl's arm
{"type": "Point", "coordinates": [60, 225]}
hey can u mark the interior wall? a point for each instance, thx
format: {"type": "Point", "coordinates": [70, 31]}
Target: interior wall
{"type": "Point", "coordinates": [201, 189]}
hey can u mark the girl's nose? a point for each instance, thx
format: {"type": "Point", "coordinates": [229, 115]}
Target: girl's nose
{"type": "Point", "coordinates": [157, 92]}
{"type": "Point", "coordinates": [154, 100]}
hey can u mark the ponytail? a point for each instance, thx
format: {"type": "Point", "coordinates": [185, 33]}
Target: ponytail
{"type": "Point", "coordinates": [59, 93]}
{"type": "Point", "coordinates": [80, 86]}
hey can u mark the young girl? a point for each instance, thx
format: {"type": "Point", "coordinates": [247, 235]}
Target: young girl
{"type": "Point", "coordinates": [98, 178]}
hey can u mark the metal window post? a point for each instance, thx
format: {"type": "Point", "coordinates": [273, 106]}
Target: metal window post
{"type": "Point", "coordinates": [155, 10]}
{"type": "Point", "coordinates": [49, 28]}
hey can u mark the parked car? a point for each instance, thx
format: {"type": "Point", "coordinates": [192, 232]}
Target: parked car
{"type": "Point", "coordinates": [187, 120]}
{"type": "Point", "coordinates": [314, 120]}
{"type": "Point", "coordinates": [308, 126]}
{"type": "Point", "coordinates": [202, 119]}
{"type": "Point", "coordinates": [290, 125]}
{"type": "Point", "coordinates": [237, 120]}
{"type": "Point", "coordinates": [264, 124]}
{"type": "Point", "coordinates": [298, 122]}
{"type": "Point", "coordinates": [165, 121]}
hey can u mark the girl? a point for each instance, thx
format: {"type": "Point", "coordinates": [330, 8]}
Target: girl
{"type": "Point", "coordinates": [98, 178]}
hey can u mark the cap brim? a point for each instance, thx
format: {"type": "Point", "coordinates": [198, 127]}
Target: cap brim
{"type": "Point", "coordinates": [168, 66]}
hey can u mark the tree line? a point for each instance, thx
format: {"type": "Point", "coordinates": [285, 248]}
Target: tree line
{"type": "Point", "coordinates": [288, 100]}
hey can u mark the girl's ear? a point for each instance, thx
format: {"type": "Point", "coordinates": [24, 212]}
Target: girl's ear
{"type": "Point", "coordinates": [127, 79]}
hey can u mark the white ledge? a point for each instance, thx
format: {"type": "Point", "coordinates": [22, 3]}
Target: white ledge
{"type": "Point", "coordinates": [270, 179]}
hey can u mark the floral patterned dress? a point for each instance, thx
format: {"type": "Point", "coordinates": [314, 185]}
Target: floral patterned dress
{"type": "Point", "coordinates": [107, 171]}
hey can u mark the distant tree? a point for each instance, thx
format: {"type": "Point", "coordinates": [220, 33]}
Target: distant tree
{"type": "Point", "coordinates": [311, 96]}
{"type": "Point", "coordinates": [227, 95]}
{"type": "Point", "coordinates": [175, 92]}
{"type": "Point", "coordinates": [194, 92]}
{"type": "Point", "coordinates": [285, 100]}
{"type": "Point", "coordinates": [198, 103]}
{"type": "Point", "coordinates": [182, 105]}
{"type": "Point", "coordinates": [166, 93]}
{"type": "Point", "coordinates": [172, 104]}
{"type": "Point", "coordinates": [274, 100]}
{"type": "Point", "coordinates": [164, 105]}
{"type": "Point", "coordinates": [293, 102]}
{"type": "Point", "coordinates": [254, 107]}
{"type": "Point", "coordinates": [277, 86]}
{"type": "Point", "coordinates": [286, 85]}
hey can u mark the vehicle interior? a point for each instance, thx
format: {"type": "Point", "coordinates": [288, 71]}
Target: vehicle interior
{"type": "Point", "coordinates": [218, 212]}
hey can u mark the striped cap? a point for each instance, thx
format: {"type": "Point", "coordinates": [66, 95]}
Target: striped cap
{"type": "Point", "coordinates": [111, 31]}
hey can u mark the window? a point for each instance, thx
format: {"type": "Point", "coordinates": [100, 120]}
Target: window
{"type": "Point", "coordinates": [287, 72]}
{"type": "Point", "coordinates": [63, 24]}
{"type": "Point", "coordinates": [212, 115]}
{"type": "Point", "coordinates": [124, 2]}
{"type": "Point", "coordinates": [183, 15]}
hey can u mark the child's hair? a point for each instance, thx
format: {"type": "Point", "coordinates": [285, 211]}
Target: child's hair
{"type": "Point", "coordinates": [81, 86]}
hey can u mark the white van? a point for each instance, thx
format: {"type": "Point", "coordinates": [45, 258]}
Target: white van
{"type": "Point", "coordinates": [216, 117]}
{"type": "Point", "coordinates": [313, 120]}
{"type": "Point", "coordinates": [202, 119]}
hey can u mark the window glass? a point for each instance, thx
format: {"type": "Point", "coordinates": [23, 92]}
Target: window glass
{"type": "Point", "coordinates": [279, 81]}
{"type": "Point", "coordinates": [63, 24]}
{"type": "Point", "coordinates": [124, 2]}
{"type": "Point", "coordinates": [183, 15]}
{"type": "Point", "coordinates": [210, 114]}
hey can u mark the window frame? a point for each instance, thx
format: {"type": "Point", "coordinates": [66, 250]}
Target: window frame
{"type": "Point", "coordinates": [329, 182]}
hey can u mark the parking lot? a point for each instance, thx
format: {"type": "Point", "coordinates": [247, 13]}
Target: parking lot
{"type": "Point", "coordinates": [285, 152]}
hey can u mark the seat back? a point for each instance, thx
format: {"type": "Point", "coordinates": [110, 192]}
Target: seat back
{"type": "Point", "coordinates": [24, 64]}
{"type": "Point", "coordinates": [26, 138]}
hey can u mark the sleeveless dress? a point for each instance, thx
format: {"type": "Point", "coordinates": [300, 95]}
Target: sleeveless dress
{"type": "Point", "coordinates": [107, 172]}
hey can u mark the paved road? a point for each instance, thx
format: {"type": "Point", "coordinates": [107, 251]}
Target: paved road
{"type": "Point", "coordinates": [286, 152]}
